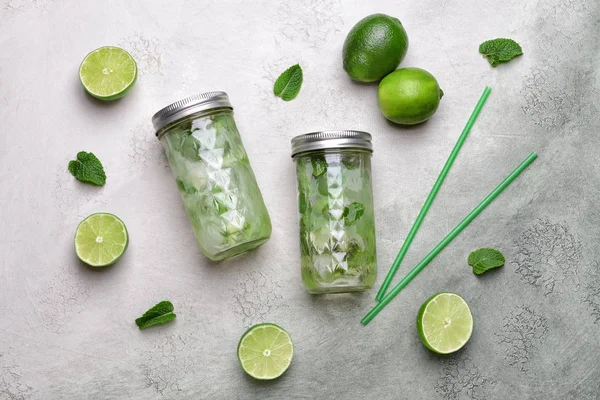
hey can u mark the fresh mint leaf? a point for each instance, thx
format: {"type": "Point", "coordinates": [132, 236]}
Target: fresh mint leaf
{"type": "Point", "coordinates": [190, 147]}
{"type": "Point", "coordinates": [353, 212]}
{"type": "Point", "coordinates": [184, 188]}
{"type": "Point", "coordinates": [288, 85]}
{"type": "Point", "coordinates": [160, 313]}
{"type": "Point", "coordinates": [323, 186]}
{"type": "Point", "coordinates": [87, 168]}
{"type": "Point", "coordinates": [485, 259]}
{"type": "Point", "coordinates": [319, 166]}
{"type": "Point", "coordinates": [351, 162]}
{"type": "Point", "coordinates": [500, 50]}
{"type": "Point", "coordinates": [303, 203]}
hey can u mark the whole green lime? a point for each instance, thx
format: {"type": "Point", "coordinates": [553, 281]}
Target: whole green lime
{"type": "Point", "coordinates": [374, 47]}
{"type": "Point", "coordinates": [409, 96]}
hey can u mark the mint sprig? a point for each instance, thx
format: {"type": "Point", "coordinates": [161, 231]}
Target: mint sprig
{"type": "Point", "coordinates": [288, 85]}
{"type": "Point", "coordinates": [87, 168]}
{"type": "Point", "coordinates": [319, 166]}
{"type": "Point", "coordinates": [500, 50]}
{"type": "Point", "coordinates": [353, 212]}
{"type": "Point", "coordinates": [483, 260]}
{"type": "Point", "coordinates": [160, 313]}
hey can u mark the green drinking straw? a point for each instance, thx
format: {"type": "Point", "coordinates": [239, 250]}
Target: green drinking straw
{"type": "Point", "coordinates": [437, 249]}
{"type": "Point", "coordinates": [434, 191]}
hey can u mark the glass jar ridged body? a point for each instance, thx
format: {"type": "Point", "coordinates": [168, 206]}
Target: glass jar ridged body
{"type": "Point", "coordinates": [217, 184]}
{"type": "Point", "coordinates": [337, 226]}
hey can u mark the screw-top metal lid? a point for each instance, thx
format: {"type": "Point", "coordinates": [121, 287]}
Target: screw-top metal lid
{"type": "Point", "coordinates": [331, 140]}
{"type": "Point", "coordinates": [189, 106]}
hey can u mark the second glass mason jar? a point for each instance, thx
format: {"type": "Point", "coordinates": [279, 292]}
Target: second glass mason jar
{"type": "Point", "coordinates": [335, 200]}
{"type": "Point", "coordinates": [213, 174]}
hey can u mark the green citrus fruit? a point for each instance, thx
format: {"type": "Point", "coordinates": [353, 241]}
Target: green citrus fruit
{"type": "Point", "coordinates": [409, 96]}
{"type": "Point", "coordinates": [374, 47]}
{"type": "Point", "coordinates": [101, 239]}
{"type": "Point", "coordinates": [445, 323]}
{"type": "Point", "coordinates": [108, 73]}
{"type": "Point", "coordinates": [265, 351]}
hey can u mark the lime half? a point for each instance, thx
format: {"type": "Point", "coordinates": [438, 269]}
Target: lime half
{"type": "Point", "coordinates": [445, 323]}
{"type": "Point", "coordinates": [265, 351]}
{"type": "Point", "coordinates": [108, 73]}
{"type": "Point", "coordinates": [101, 239]}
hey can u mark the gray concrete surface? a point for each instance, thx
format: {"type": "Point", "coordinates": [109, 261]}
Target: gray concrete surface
{"type": "Point", "coordinates": [67, 332]}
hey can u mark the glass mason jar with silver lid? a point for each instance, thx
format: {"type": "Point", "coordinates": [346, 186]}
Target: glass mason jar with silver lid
{"type": "Point", "coordinates": [213, 174]}
{"type": "Point", "coordinates": [335, 200]}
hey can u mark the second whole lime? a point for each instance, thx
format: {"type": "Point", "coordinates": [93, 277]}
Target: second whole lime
{"type": "Point", "coordinates": [409, 96]}
{"type": "Point", "coordinates": [374, 47]}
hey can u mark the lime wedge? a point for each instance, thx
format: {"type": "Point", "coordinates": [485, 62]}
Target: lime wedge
{"type": "Point", "coordinates": [101, 239]}
{"type": "Point", "coordinates": [108, 73]}
{"type": "Point", "coordinates": [265, 351]}
{"type": "Point", "coordinates": [445, 323]}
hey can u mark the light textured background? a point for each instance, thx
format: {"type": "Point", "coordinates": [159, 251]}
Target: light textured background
{"type": "Point", "coordinates": [67, 332]}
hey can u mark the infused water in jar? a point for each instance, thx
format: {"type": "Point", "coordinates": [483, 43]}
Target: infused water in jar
{"type": "Point", "coordinates": [213, 174]}
{"type": "Point", "coordinates": [335, 202]}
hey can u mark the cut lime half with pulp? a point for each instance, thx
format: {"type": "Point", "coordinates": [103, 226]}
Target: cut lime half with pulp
{"type": "Point", "coordinates": [445, 323]}
{"type": "Point", "coordinates": [108, 73]}
{"type": "Point", "coordinates": [101, 239]}
{"type": "Point", "coordinates": [265, 351]}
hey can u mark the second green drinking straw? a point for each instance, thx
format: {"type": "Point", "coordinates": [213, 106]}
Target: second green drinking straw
{"type": "Point", "coordinates": [437, 249]}
{"type": "Point", "coordinates": [434, 191]}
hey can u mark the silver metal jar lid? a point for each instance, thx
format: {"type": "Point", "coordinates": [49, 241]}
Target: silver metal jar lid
{"type": "Point", "coordinates": [331, 140]}
{"type": "Point", "coordinates": [188, 106]}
